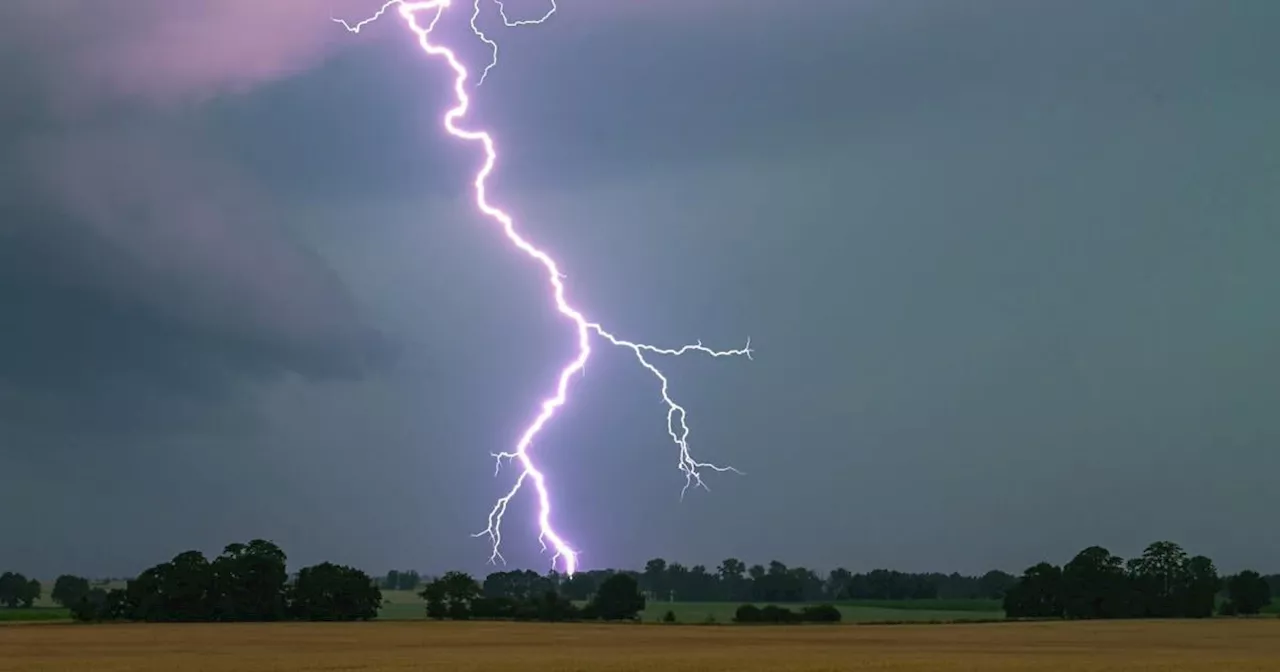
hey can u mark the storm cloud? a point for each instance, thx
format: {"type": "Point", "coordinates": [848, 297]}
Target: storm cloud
{"type": "Point", "coordinates": [993, 256]}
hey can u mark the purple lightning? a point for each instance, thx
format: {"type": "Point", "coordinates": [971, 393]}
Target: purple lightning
{"type": "Point", "coordinates": [677, 426]}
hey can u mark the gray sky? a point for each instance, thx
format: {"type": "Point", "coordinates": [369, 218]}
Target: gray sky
{"type": "Point", "coordinates": [1006, 266]}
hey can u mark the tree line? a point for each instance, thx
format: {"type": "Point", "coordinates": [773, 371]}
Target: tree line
{"type": "Point", "coordinates": [734, 581]}
{"type": "Point", "coordinates": [247, 582]}
{"type": "Point", "coordinates": [1163, 582]}
{"type": "Point", "coordinates": [400, 580]}
{"type": "Point", "coordinates": [527, 596]}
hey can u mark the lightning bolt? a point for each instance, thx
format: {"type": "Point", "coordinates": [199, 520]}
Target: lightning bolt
{"type": "Point", "coordinates": [677, 425]}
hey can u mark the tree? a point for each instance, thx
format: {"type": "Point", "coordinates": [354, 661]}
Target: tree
{"type": "Point", "coordinates": [398, 580]}
{"type": "Point", "coordinates": [1094, 585]}
{"type": "Point", "coordinates": [838, 582]}
{"type": "Point", "coordinates": [69, 590]}
{"type": "Point", "coordinates": [187, 584]}
{"type": "Point", "coordinates": [580, 586]}
{"type": "Point", "coordinates": [619, 598]}
{"type": "Point", "coordinates": [654, 578]}
{"type": "Point", "coordinates": [453, 596]}
{"type": "Point", "coordinates": [249, 582]}
{"type": "Point", "coordinates": [99, 604]}
{"type": "Point", "coordinates": [1038, 594]}
{"type": "Point", "coordinates": [437, 599]}
{"type": "Point", "coordinates": [1247, 593]}
{"type": "Point", "coordinates": [409, 580]}
{"type": "Point", "coordinates": [733, 584]}
{"type": "Point", "coordinates": [1160, 581]}
{"type": "Point", "coordinates": [329, 592]}
{"type": "Point", "coordinates": [994, 584]}
{"type": "Point", "coordinates": [552, 607]}
{"type": "Point", "coordinates": [461, 589]}
{"type": "Point", "coordinates": [517, 586]}
{"type": "Point", "coordinates": [31, 593]}
{"type": "Point", "coordinates": [1202, 588]}
{"type": "Point", "coordinates": [17, 590]}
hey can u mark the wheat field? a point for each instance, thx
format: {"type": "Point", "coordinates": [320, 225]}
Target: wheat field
{"type": "Point", "coordinates": [1217, 645]}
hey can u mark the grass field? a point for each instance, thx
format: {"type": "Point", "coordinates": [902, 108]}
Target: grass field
{"type": "Point", "coordinates": [406, 605]}
{"type": "Point", "coordinates": [403, 605]}
{"type": "Point", "coordinates": [34, 614]}
{"type": "Point", "coordinates": [1217, 645]}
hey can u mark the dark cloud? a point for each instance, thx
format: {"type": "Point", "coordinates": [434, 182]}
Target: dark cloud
{"type": "Point", "coordinates": [995, 256]}
{"type": "Point", "coordinates": [140, 265]}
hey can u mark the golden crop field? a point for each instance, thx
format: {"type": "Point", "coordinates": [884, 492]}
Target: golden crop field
{"type": "Point", "coordinates": [1217, 645]}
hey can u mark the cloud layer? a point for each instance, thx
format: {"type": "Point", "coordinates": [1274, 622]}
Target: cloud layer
{"type": "Point", "coordinates": [174, 271]}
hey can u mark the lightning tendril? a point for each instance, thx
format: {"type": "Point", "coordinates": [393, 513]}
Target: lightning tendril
{"type": "Point", "coordinates": [677, 425]}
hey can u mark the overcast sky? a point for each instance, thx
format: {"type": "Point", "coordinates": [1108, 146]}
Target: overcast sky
{"type": "Point", "coordinates": [1008, 267]}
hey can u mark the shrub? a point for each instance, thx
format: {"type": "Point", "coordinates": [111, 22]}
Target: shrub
{"type": "Point", "coordinates": [772, 613]}
{"type": "Point", "coordinates": [747, 613]}
{"type": "Point", "coordinates": [820, 613]}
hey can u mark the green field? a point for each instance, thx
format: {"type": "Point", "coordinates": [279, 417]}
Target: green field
{"type": "Point", "coordinates": [885, 612]}
{"type": "Point", "coordinates": [406, 605]}
{"type": "Point", "coordinates": [34, 614]}
{"type": "Point", "coordinates": [928, 605]}
{"type": "Point", "coordinates": [402, 605]}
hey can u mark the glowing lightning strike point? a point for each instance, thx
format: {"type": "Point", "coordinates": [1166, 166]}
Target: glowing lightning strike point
{"type": "Point", "coordinates": [677, 426]}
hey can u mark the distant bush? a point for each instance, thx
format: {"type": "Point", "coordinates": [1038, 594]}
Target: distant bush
{"type": "Point", "coordinates": [747, 613]}
{"type": "Point", "coordinates": [772, 613]}
{"type": "Point", "coordinates": [820, 613]}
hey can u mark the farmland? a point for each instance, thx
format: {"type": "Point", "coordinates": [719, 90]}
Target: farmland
{"type": "Point", "coordinates": [406, 605]}
{"type": "Point", "coordinates": [1219, 645]}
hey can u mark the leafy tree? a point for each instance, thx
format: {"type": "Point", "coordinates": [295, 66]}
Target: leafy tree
{"type": "Point", "coordinates": [1038, 594]}
{"type": "Point", "coordinates": [249, 582]}
{"type": "Point", "coordinates": [453, 596]}
{"type": "Point", "coordinates": [17, 590]}
{"type": "Point", "coordinates": [188, 584]}
{"type": "Point", "coordinates": [329, 592]}
{"type": "Point", "coordinates": [517, 586]}
{"type": "Point", "coordinates": [552, 607]}
{"type": "Point", "coordinates": [461, 589]}
{"type": "Point", "coordinates": [619, 598]}
{"type": "Point", "coordinates": [398, 580]}
{"type": "Point", "coordinates": [994, 584]}
{"type": "Point", "coordinates": [69, 590]}
{"type": "Point", "coordinates": [1202, 588]}
{"type": "Point", "coordinates": [580, 586]}
{"type": "Point", "coordinates": [1160, 581]}
{"type": "Point", "coordinates": [99, 604]}
{"type": "Point", "coordinates": [437, 599]}
{"type": "Point", "coordinates": [1094, 585]}
{"type": "Point", "coordinates": [1273, 580]}
{"type": "Point", "coordinates": [653, 580]}
{"type": "Point", "coordinates": [31, 593]}
{"type": "Point", "coordinates": [733, 585]}
{"type": "Point", "coordinates": [409, 580]}
{"type": "Point", "coordinates": [1247, 593]}
{"type": "Point", "coordinates": [839, 580]}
